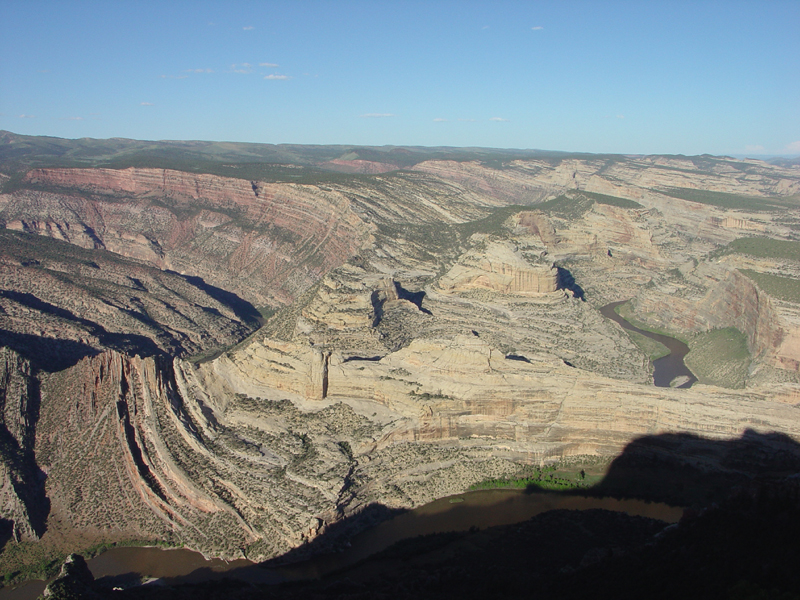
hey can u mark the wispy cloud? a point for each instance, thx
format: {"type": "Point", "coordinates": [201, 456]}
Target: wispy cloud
{"type": "Point", "coordinates": [537, 28]}
{"type": "Point", "coordinates": [146, 104]}
{"type": "Point", "coordinates": [620, 116]}
{"type": "Point", "coordinates": [376, 115]}
{"type": "Point", "coordinates": [485, 27]}
{"type": "Point", "coordinates": [74, 119]}
{"type": "Point", "coordinates": [242, 68]}
{"type": "Point", "coordinates": [754, 148]}
{"type": "Point", "coordinates": [499, 119]}
{"type": "Point", "coordinates": [44, 70]}
{"type": "Point", "coordinates": [248, 27]}
{"type": "Point", "coordinates": [793, 147]}
{"type": "Point", "coordinates": [270, 65]}
{"type": "Point", "coordinates": [199, 71]}
{"type": "Point", "coordinates": [439, 120]}
{"type": "Point", "coordinates": [24, 116]}
{"type": "Point", "coordinates": [467, 120]}
{"type": "Point", "coordinates": [274, 76]}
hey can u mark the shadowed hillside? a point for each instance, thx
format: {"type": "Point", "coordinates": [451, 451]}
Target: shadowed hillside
{"type": "Point", "coordinates": [741, 545]}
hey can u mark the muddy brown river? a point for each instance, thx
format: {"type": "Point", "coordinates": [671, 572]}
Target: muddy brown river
{"type": "Point", "coordinates": [666, 368]}
{"type": "Point", "coordinates": [481, 509]}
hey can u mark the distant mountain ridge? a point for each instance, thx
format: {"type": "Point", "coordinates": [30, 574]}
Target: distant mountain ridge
{"type": "Point", "coordinates": [21, 151]}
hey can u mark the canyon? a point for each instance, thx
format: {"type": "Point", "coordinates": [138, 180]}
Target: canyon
{"type": "Point", "coordinates": [245, 365]}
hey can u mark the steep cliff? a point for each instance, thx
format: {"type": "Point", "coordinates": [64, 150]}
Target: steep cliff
{"type": "Point", "coordinates": [22, 496]}
{"type": "Point", "coordinates": [501, 268]}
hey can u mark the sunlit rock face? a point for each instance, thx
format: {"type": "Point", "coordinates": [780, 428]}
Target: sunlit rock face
{"type": "Point", "coordinates": [500, 268]}
{"type": "Point", "coordinates": [266, 241]}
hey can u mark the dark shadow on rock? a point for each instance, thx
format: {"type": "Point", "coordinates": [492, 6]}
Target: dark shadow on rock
{"type": "Point", "coordinates": [18, 457]}
{"type": "Point", "coordinates": [685, 469]}
{"type": "Point", "coordinates": [336, 536]}
{"type": "Point", "coordinates": [415, 298]}
{"type": "Point", "coordinates": [567, 282]}
{"type": "Point", "coordinates": [377, 298]}
{"type": "Point", "coordinates": [6, 532]}
{"type": "Point", "coordinates": [517, 357]}
{"type": "Point", "coordinates": [34, 303]}
{"type": "Point", "coordinates": [245, 311]}
{"type": "Point", "coordinates": [367, 358]}
{"type": "Point", "coordinates": [738, 541]}
{"type": "Point", "coordinates": [51, 354]}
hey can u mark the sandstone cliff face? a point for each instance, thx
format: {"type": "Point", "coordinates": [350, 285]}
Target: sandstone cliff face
{"type": "Point", "coordinates": [110, 436]}
{"type": "Point", "coordinates": [730, 300]}
{"type": "Point", "coordinates": [202, 455]}
{"type": "Point", "coordinates": [529, 181]}
{"type": "Point", "coordinates": [501, 268]}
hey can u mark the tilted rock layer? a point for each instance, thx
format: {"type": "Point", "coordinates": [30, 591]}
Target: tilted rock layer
{"type": "Point", "coordinates": [437, 327]}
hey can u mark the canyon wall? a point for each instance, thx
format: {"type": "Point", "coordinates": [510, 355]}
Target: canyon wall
{"type": "Point", "coordinates": [267, 242]}
{"type": "Point", "coordinates": [424, 344]}
{"type": "Point", "coordinates": [732, 300]}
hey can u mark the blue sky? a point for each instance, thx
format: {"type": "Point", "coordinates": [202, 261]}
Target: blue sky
{"type": "Point", "coordinates": [719, 77]}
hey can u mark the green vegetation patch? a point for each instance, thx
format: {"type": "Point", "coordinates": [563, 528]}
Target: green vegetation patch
{"type": "Point", "coordinates": [573, 205]}
{"type": "Point", "coordinates": [565, 475]}
{"type": "Point", "coordinates": [732, 201]}
{"type": "Point", "coordinates": [782, 288]}
{"type": "Point", "coordinates": [653, 349]}
{"type": "Point", "coordinates": [719, 357]}
{"type": "Point", "coordinates": [493, 224]}
{"type": "Point", "coordinates": [613, 200]}
{"type": "Point", "coordinates": [626, 312]}
{"type": "Point", "coordinates": [567, 206]}
{"type": "Point", "coordinates": [762, 247]}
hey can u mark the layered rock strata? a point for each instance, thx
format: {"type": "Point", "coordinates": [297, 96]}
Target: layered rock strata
{"type": "Point", "coordinates": [427, 342]}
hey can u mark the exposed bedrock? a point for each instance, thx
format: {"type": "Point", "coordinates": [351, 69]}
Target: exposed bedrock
{"type": "Point", "coordinates": [22, 496]}
{"type": "Point", "coordinates": [530, 181]}
{"type": "Point", "coordinates": [267, 242]}
{"type": "Point", "coordinates": [421, 355]}
{"type": "Point", "coordinates": [500, 267]}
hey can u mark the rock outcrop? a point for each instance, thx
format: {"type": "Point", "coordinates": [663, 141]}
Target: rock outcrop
{"type": "Point", "coordinates": [22, 495]}
{"type": "Point", "coordinates": [501, 268]}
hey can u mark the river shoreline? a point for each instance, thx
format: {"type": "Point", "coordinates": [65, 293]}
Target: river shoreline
{"type": "Point", "coordinates": [669, 370]}
{"type": "Point", "coordinates": [477, 509]}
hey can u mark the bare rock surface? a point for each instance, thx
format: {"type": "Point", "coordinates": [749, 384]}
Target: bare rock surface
{"type": "Point", "coordinates": [435, 328]}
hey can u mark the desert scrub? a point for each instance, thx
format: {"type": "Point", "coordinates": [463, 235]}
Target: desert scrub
{"type": "Point", "coordinates": [782, 288]}
{"type": "Point", "coordinates": [761, 247]}
{"type": "Point", "coordinates": [719, 357]}
{"type": "Point", "coordinates": [726, 200]}
{"type": "Point", "coordinates": [613, 200]}
{"type": "Point", "coordinates": [570, 206]}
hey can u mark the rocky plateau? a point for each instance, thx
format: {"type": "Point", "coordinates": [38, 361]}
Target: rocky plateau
{"type": "Point", "coordinates": [237, 365]}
